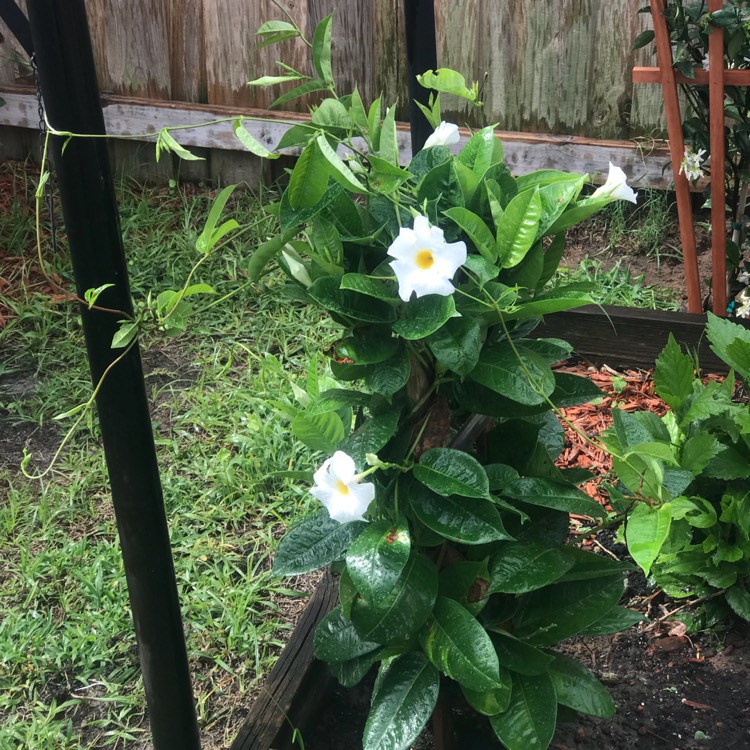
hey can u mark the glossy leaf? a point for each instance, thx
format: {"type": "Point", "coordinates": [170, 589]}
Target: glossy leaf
{"type": "Point", "coordinates": [389, 138]}
{"type": "Point", "coordinates": [321, 49]}
{"type": "Point", "coordinates": [377, 557]}
{"type": "Point", "coordinates": [490, 702]}
{"type": "Point", "coordinates": [460, 648]}
{"type": "Point", "coordinates": [482, 151]}
{"type": "Point", "coordinates": [403, 703]}
{"type": "Point", "coordinates": [461, 519]}
{"type": "Point", "coordinates": [406, 607]}
{"type": "Point", "coordinates": [457, 345]}
{"type": "Point", "coordinates": [423, 316]}
{"type": "Point", "coordinates": [337, 640]}
{"type": "Point", "coordinates": [646, 531]}
{"type": "Point", "coordinates": [561, 610]}
{"type": "Point", "coordinates": [518, 656]}
{"type": "Point", "coordinates": [551, 494]}
{"type": "Point", "coordinates": [309, 178]}
{"type": "Point", "coordinates": [321, 432]}
{"type": "Point", "coordinates": [250, 142]}
{"type": "Point", "coordinates": [337, 168]}
{"type": "Point", "coordinates": [522, 567]}
{"type": "Point", "coordinates": [383, 289]}
{"type": "Point", "coordinates": [452, 472]}
{"type": "Point", "coordinates": [616, 619]}
{"type": "Point", "coordinates": [390, 376]}
{"type": "Point", "coordinates": [368, 346]}
{"type": "Point", "coordinates": [529, 722]}
{"type": "Point", "coordinates": [517, 228]}
{"type": "Point", "coordinates": [370, 436]}
{"type": "Point", "coordinates": [476, 229]}
{"type": "Point", "coordinates": [351, 672]}
{"type": "Point", "coordinates": [500, 370]}
{"type": "Point", "coordinates": [578, 689]}
{"type": "Point", "coordinates": [326, 292]}
{"type": "Point", "coordinates": [314, 543]}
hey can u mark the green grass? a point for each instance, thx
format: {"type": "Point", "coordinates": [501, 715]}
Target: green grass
{"type": "Point", "coordinates": [617, 286]}
{"type": "Point", "coordinates": [69, 673]}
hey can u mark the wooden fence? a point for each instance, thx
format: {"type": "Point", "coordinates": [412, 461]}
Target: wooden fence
{"type": "Point", "coordinates": [559, 67]}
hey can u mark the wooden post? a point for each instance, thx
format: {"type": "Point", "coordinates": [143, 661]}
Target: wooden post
{"type": "Point", "coordinates": [718, 184]}
{"type": "Point", "coordinates": [677, 150]}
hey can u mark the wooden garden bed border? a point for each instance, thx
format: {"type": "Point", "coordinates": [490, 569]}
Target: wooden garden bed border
{"type": "Point", "coordinates": [524, 152]}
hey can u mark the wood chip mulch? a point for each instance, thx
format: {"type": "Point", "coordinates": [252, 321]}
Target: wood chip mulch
{"type": "Point", "coordinates": [630, 390]}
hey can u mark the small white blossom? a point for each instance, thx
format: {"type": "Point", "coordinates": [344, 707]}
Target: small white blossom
{"type": "Point", "coordinates": [444, 134]}
{"type": "Point", "coordinates": [425, 263]}
{"type": "Point", "coordinates": [743, 277]}
{"type": "Point", "coordinates": [743, 310]}
{"type": "Point", "coordinates": [616, 187]}
{"type": "Point", "coordinates": [705, 63]}
{"type": "Point", "coordinates": [692, 163]}
{"type": "Point", "coordinates": [337, 487]}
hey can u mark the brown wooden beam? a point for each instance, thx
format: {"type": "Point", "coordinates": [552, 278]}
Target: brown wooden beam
{"type": "Point", "coordinates": [732, 77]}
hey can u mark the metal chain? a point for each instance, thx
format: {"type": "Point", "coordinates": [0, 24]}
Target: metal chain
{"type": "Point", "coordinates": [48, 198]}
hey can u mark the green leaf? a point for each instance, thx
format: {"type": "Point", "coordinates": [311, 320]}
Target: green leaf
{"type": "Point", "coordinates": [451, 472]}
{"type": "Point", "coordinates": [442, 185]}
{"type": "Point", "coordinates": [338, 170]}
{"type": "Point", "coordinates": [424, 315]}
{"type": "Point", "coordinates": [321, 49]}
{"type": "Point", "coordinates": [518, 656]}
{"type": "Point", "coordinates": [321, 432]}
{"type": "Point", "coordinates": [368, 346]}
{"type": "Point", "coordinates": [403, 703]}
{"type": "Point", "coordinates": [373, 124]}
{"type": "Point", "coordinates": [448, 81]}
{"type": "Point", "coordinates": [377, 558]}
{"type": "Point", "coordinates": [457, 345]}
{"type": "Point", "coordinates": [370, 436]}
{"type": "Point", "coordinates": [553, 301]}
{"type": "Point", "coordinates": [272, 80]}
{"type": "Point", "coordinates": [357, 111]}
{"type": "Point", "coordinates": [482, 151]}
{"type": "Point", "coordinates": [530, 719]}
{"type": "Point", "coordinates": [549, 615]}
{"type": "Point", "coordinates": [384, 289]}
{"type": "Point", "coordinates": [504, 370]}
{"type": "Point", "coordinates": [643, 39]}
{"type": "Point", "coordinates": [725, 337]}
{"type": "Point", "coordinates": [388, 149]}
{"type": "Point", "coordinates": [390, 376]}
{"type": "Point", "coordinates": [617, 619]}
{"type": "Point", "coordinates": [308, 87]}
{"type": "Point", "coordinates": [386, 177]}
{"type": "Point", "coordinates": [125, 334]}
{"type": "Point", "coordinates": [332, 114]}
{"type": "Point", "coordinates": [698, 450]}
{"type": "Point", "coordinates": [674, 375]}
{"type": "Point", "coordinates": [337, 640]}
{"type": "Point", "coordinates": [490, 702]}
{"type": "Point", "coordinates": [210, 235]}
{"type": "Point", "coordinates": [587, 565]}
{"type": "Point", "coordinates": [738, 599]}
{"type": "Point", "coordinates": [352, 672]}
{"type": "Point", "coordinates": [578, 689]}
{"type": "Point", "coordinates": [551, 494]}
{"type": "Point", "coordinates": [476, 229]}
{"type": "Point", "coordinates": [314, 543]}
{"type": "Point", "coordinates": [555, 199]}
{"type": "Point", "coordinates": [276, 31]}
{"type": "Point", "coordinates": [326, 292]}
{"type": "Point", "coordinates": [646, 530]}
{"type": "Point", "coordinates": [522, 567]}
{"type": "Point", "coordinates": [460, 648]}
{"type": "Point", "coordinates": [466, 582]}
{"type": "Point", "coordinates": [165, 141]}
{"type": "Point", "coordinates": [461, 519]}
{"type": "Point", "coordinates": [518, 227]}
{"type": "Point", "coordinates": [309, 179]}
{"type": "Point", "coordinates": [250, 143]}
{"type": "Point", "coordinates": [405, 609]}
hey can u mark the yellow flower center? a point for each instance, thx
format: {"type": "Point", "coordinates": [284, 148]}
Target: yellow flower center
{"type": "Point", "coordinates": [341, 487]}
{"type": "Point", "coordinates": [425, 259]}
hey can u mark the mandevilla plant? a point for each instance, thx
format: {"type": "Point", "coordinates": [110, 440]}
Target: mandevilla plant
{"type": "Point", "coordinates": [445, 516]}
{"type": "Point", "coordinates": [688, 476]}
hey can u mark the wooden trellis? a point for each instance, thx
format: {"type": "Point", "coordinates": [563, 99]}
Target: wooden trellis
{"type": "Point", "coordinates": [716, 77]}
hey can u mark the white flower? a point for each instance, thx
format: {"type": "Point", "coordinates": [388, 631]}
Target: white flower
{"type": "Point", "coordinates": [296, 267]}
{"type": "Point", "coordinates": [616, 186]}
{"type": "Point", "coordinates": [705, 63]}
{"type": "Point", "coordinates": [743, 277]}
{"type": "Point", "coordinates": [444, 135]}
{"type": "Point", "coordinates": [743, 311]}
{"type": "Point", "coordinates": [337, 487]}
{"type": "Point", "coordinates": [691, 163]}
{"type": "Point", "coordinates": [425, 263]}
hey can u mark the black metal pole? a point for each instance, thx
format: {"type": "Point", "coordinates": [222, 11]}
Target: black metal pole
{"type": "Point", "coordinates": [68, 81]}
{"type": "Point", "coordinates": [421, 55]}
